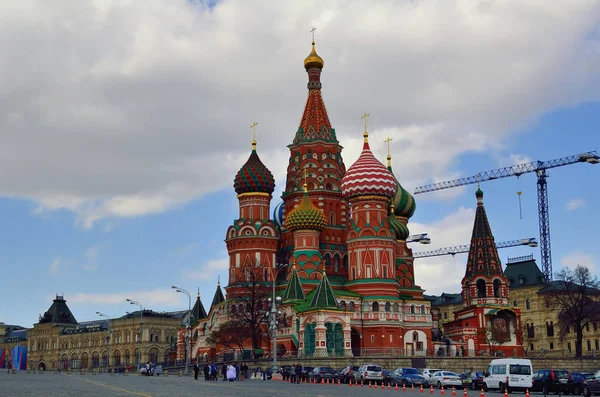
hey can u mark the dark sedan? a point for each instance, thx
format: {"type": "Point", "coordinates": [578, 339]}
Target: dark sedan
{"type": "Point", "coordinates": [409, 377]}
{"type": "Point", "coordinates": [592, 385]}
{"type": "Point", "coordinates": [472, 380]}
{"type": "Point", "coordinates": [323, 373]}
{"type": "Point", "coordinates": [578, 379]}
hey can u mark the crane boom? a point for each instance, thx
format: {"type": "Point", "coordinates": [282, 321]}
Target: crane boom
{"type": "Point", "coordinates": [540, 168]}
{"type": "Point", "coordinates": [461, 249]}
{"type": "Point", "coordinates": [515, 170]}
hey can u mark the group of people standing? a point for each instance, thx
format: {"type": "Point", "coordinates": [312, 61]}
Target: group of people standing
{"type": "Point", "coordinates": [295, 373]}
{"type": "Point", "coordinates": [230, 372]}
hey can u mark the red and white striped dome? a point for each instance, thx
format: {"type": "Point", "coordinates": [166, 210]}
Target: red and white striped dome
{"type": "Point", "coordinates": [368, 177]}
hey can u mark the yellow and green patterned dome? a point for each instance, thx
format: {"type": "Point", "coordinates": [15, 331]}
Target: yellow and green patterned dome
{"type": "Point", "coordinates": [305, 216]}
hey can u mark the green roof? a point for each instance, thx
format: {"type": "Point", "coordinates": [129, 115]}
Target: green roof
{"type": "Point", "coordinates": [294, 290]}
{"type": "Point", "coordinates": [324, 296]}
{"type": "Point", "coordinates": [524, 273]}
{"type": "Point", "coordinates": [219, 297]}
{"type": "Point", "coordinates": [198, 311]}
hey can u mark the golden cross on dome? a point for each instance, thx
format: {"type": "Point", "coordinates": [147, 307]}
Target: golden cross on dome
{"type": "Point", "coordinates": [253, 126]}
{"type": "Point", "coordinates": [305, 184]}
{"type": "Point", "coordinates": [313, 34]}
{"type": "Point", "coordinates": [365, 134]}
{"type": "Point", "coordinates": [389, 156]}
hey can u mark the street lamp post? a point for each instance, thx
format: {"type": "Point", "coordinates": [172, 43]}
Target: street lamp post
{"type": "Point", "coordinates": [187, 327]}
{"type": "Point", "coordinates": [107, 339]}
{"type": "Point", "coordinates": [138, 304]}
{"type": "Point", "coordinates": [273, 315]}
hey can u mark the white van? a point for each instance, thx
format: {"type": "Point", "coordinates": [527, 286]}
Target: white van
{"type": "Point", "coordinates": [508, 373]}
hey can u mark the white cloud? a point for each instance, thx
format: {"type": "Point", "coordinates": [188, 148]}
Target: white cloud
{"type": "Point", "coordinates": [55, 265]}
{"type": "Point", "coordinates": [155, 297]}
{"type": "Point", "coordinates": [91, 256]}
{"type": "Point", "coordinates": [514, 159]}
{"type": "Point", "coordinates": [435, 274]}
{"type": "Point", "coordinates": [139, 117]}
{"type": "Point", "coordinates": [575, 258]}
{"type": "Point", "coordinates": [210, 270]}
{"type": "Point", "coordinates": [574, 204]}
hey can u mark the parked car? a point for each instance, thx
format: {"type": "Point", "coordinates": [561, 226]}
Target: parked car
{"type": "Point", "coordinates": [592, 385]}
{"type": "Point", "coordinates": [409, 377]}
{"type": "Point", "coordinates": [370, 373]}
{"type": "Point", "coordinates": [578, 379]}
{"type": "Point", "coordinates": [305, 375]}
{"type": "Point", "coordinates": [348, 374]}
{"type": "Point", "coordinates": [326, 373]}
{"type": "Point", "coordinates": [428, 373]}
{"type": "Point", "coordinates": [508, 374]}
{"type": "Point", "coordinates": [445, 378]}
{"type": "Point", "coordinates": [552, 380]}
{"type": "Point", "coordinates": [472, 380]}
{"type": "Point", "coordinates": [387, 376]}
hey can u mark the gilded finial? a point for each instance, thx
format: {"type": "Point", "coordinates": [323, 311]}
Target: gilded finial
{"type": "Point", "coordinates": [253, 126]}
{"type": "Point", "coordinates": [365, 134]}
{"type": "Point", "coordinates": [324, 274]}
{"type": "Point", "coordinates": [305, 184]}
{"type": "Point", "coordinates": [389, 156]}
{"type": "Point", "coordinates": [391, 209]}
{"type": "Point", "coordinates": [313, 60]}
{"type": "Point", "coordinates": [313, 35]}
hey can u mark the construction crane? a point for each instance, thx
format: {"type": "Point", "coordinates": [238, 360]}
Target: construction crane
{"type": "Point", "coordinates": [461, 249]}
{"type": "Point", "coordinates": [541, 170]}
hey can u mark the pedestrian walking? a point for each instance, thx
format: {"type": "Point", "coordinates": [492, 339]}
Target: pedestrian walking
{"type": "Point", "coordinates": [206, 370]}
{"type": "Point", "coordinates": [298, 370]}
{"type": "Point", "coordinates": [196, 370]}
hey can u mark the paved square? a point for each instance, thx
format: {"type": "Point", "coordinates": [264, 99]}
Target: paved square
{"type": "Point", "coordinates": [68, 385]}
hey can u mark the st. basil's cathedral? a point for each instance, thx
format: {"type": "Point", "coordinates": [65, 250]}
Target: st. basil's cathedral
{"type": "Point", "coordinates": [335, 248]}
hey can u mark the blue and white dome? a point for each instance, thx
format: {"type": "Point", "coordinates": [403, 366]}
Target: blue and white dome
{"type": "Point", "coordinates": [278, 214]}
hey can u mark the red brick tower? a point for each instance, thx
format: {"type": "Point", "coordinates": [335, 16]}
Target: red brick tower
{"type": "Point", "coordinates": [252, 239]}
{"type": "Point", "coordinates": [316, 151]}
{"type": "Point", "coordinates": [368, 186]}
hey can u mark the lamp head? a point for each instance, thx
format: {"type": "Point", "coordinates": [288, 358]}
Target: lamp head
{"type": "Point", "coordinates": [128, 300]}
{"type": "Point", "coordinates": [174, 287]}
{"type": "Point", "coordinates": [278, 299]}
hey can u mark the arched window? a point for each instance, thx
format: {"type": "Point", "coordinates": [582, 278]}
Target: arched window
{"type": "Point", "coordinates": [343, 305]}
{"type": "Point", "coordinates": [375, 306]}
{"type": "Point", "coordinates": [550, 328]}
{"type": "Point", "coordinates": [481, 293]}
{"type": "Point", "coordinates": [351, 306]}
{"type": "Point", "coordinates": [327, 260]}
{"type": "Point", "coordinates": [336, 263]}
{"type": "Point", "coordinates": [388, 306]}
{"type": "Point", "coordinates": [412, 309]}
{"type": "Point", "coordinates": [332, 213]}
{"type": "Point", "coordinates": [496, 288]}
{"type": "Point", "coordinates": [233, 309]}
{"type": "Point", "coordinates": [395, 307]}
{"type": "Point", "coordinates": [415, 336]}
{"type": "Point", "coordinates": [366, 306]}
{"type": "Point", "coordinates": [422, 309]}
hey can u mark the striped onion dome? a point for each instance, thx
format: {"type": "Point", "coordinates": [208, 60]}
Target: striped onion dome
{"type": "Point", "coordinates": [305, 216]}
{"type": "Point", "coordinates": [399, 228]}
{"type": "Point", "coordinates": [403, 202]}
{"type": "Point", "coordinates": [368, 177]}
{"type": "Point", "coordinates": [278, 214]}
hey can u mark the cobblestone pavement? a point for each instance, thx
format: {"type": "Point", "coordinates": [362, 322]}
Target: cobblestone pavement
{"type": "Point", "coordinates": [74, 385]}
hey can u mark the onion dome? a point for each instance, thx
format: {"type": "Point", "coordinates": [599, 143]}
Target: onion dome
{"type": "Point", "coordinates": [254, 176]}
{"type": "Point", "coordinates": [313, 60]}
{"type": "Point", "coordinates": [479, 192]}
{"type": "Point", "coordinates": [368, 177]}
{"type": "Point", "coordinates": [305, 216]}
{"type": "Point", "coordinates": [399, 228]}
{"type": "Point", "coordinates": [403, 202]}
{"type": "Point", "coordinates": [278, 214]}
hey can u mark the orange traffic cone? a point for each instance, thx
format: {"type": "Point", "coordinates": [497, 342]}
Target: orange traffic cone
{"type": "Point", "coordinates": [453, 391]}
{"type": "Point", "coordinates": [442, 392]}
{"type": "Point", "coordinates": [526, 392]}
{"type": "Point", "coordinates": [482, 395]}
{"type": "Point", "coordinates": [339, 383]}
{"type": "Point", "coordinates": [350, 383]}
{"type": "Point", "coordinates": [370, 385]}
{"type": "Point", "coordinates": [422, 391]}
{"type": "Point", "coordinates": [376, 385]}
{"type": "Point", "coordinates": [322, 381]}
{"type": "Point", "coordinates": [404, 387]}
{"type": "Point", "coordinates": [355, 383]}
{"type": "Point", "coordinates": [506, 392]}
{"type": "Point", "coordinates": [362, 383]}
{"type": "Point", "coordinates": [465, 394]}
{"type": "Point", "coordinates": [396, 386]}
{"type": "Point", "coordinates": [430, 389]}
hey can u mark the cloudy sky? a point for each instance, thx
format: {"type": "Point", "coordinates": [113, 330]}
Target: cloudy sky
{"type": "Point", "coordinates": [123, 123]}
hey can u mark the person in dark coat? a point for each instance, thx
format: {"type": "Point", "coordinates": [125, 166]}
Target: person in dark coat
{"type": "Point", "coordinates": [224, 371]}
{"type": "Point", "coordinates": [298, 370]}
{"type": "Point", "coordinates": [206, 370]}
{"type": "Point", "coordinates": [196, 370]}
